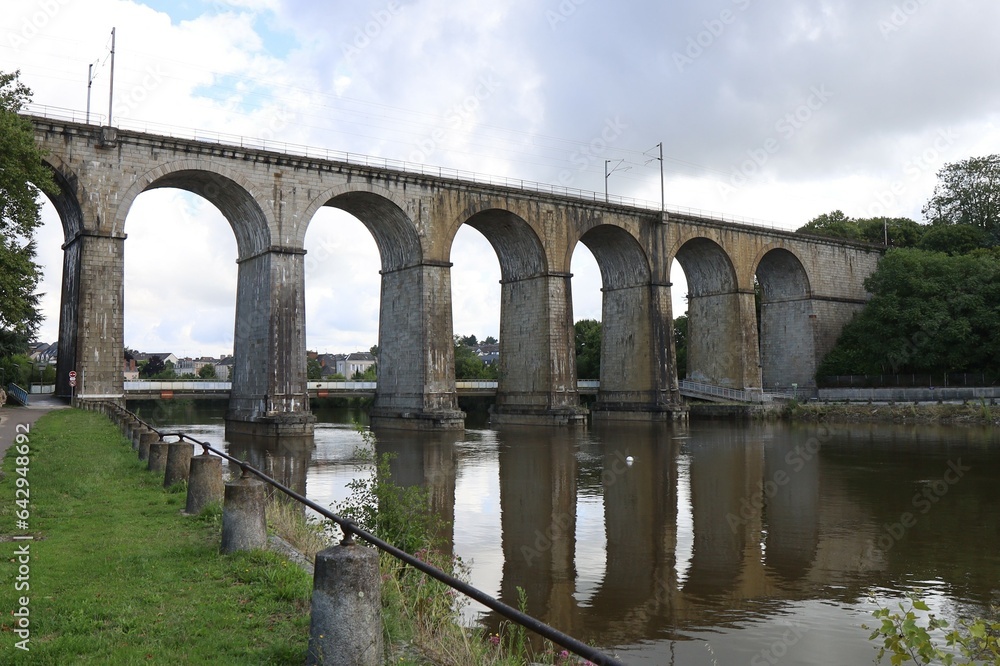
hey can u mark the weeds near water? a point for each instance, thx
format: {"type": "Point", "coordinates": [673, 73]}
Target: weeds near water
{"type": "Point", "coordinates": [905, 637]}
{"type": "Point", "coordinates": [421, 615]}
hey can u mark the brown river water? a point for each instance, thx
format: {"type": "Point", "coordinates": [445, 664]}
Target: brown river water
{"type": "Point", "coordinates": [708, 543]}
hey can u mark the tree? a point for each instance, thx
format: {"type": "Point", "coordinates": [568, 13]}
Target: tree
{"type": "Point", "coordinates": [929, 313]}
{"type": "Point", "coordinates": [587, 338]}
{"type": "Point", "coordinates": [968, 192]}
{"type": "Point", "coordinates": [21, 176]}
{"type": "Point", "coordinates": [468, 365]}
{"type": "Point", "coordinates": [468, 340]}
{"type": "Point", "coordinates": [901, 231]}
{"type": "Point", "coordinates": [953, 238]}
{"type": "Point", "coordinates": [153, 366]}
{"type": "Point", "coordinates": [314, 370]}
{"type": "Point", "coordinates": [680, 344]}
{"type": "Point", "coordinates": [490, 340]}
{"type": "Point", "coordinates": [834, 224]}
{"type": "Point", "coordinates": [207, 371]}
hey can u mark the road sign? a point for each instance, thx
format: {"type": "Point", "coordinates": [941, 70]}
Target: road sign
{"type": "Point", "coordinates": [72, 374]}
{"type": "Point", "coordinates": [72, 382]}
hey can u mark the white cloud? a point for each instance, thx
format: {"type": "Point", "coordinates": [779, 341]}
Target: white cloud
{"type": "Point", "coordinates": [518, 89]}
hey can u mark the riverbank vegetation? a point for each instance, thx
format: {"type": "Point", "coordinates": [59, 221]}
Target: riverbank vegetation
{"type": "Point", "coordinates": [118, 576]}
{"type": "Point", "coordinates": [972, 413]}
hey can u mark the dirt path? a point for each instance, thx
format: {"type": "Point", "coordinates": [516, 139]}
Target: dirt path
{"type": "Point", "coordinates": [11, 417]}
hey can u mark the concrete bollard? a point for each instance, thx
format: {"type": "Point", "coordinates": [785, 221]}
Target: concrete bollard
{"type": "Point", "coordinates": [178, 463]}
{"type": "Point", "coordinates": [146, 439]}
{"type": "Point", "coordinates": [204, 483]}
{"type": "Point", "coordinates": [346, 617]}
{"type": "Point", "coordinates": [157, 461]}
{"type": "Point", "coordinates": [244, 526]}
{"type": "Point", "coordinates": [137, 430]}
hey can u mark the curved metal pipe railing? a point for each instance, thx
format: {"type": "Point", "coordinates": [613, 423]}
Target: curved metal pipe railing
{"type": "Point", "coordinates": [351, 530]}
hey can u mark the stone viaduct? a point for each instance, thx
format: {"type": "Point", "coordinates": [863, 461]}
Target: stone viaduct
{"type": "Point", "coordinates": [809, 286]}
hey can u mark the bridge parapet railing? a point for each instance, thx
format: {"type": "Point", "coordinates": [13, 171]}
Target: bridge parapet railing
{"type": "Point", "coordinates": [361, 159]}
{"type": "Point", "coordinates": [172, 385]}
{"type": "Point", "coordinates": [351, 530]}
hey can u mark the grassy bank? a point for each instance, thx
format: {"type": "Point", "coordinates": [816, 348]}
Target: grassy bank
{"type": "Point", "coordinates": [973, 413]}
{"type": "Point", "coordinates": [118, 576]}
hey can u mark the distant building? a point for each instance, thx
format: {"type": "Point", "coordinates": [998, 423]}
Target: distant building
{"type": "Point", "coordinates": [166, 357]}
{"type": "Point", "coordinates": [44, 352]}
{"type": "Point", "coordinates": [488, 354]}
{"type": "Point", "coordinates": [354, 363]}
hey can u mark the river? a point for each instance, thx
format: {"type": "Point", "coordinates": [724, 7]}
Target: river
{"type": "Point", "coordinates": [706, 543]}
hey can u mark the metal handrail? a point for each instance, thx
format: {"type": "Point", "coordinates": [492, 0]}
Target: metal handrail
{"type": "Point", "coordinates": [350, 530]}
{"type": "Point", "coordinates": [741, 395]}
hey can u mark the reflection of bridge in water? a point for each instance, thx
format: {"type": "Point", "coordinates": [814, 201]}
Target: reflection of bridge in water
{"type": "Point", "coordinates": [710, 526]}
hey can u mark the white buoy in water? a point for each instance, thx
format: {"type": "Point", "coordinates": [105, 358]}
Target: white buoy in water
{"type": "Point", "coordinates": [629, 460]}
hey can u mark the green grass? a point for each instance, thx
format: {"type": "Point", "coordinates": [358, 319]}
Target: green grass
{"type": "Point", "coordinates": [118, 576]}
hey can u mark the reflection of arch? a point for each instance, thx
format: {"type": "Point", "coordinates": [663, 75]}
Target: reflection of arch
{"type": "Point", "coordinates": [231, 193]}
{"type": "Point", "coordinates": [715, 335]}
{"type": "Point", "coordinates": [787, 345]}
{"type": "Point", "coordinates": [628, 359]}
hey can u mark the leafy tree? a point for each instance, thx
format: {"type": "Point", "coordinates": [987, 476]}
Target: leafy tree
{"type": "Point", "coordinates": [901, 231]}
{"type": "Point", "coordinates": [680, 344]}
{"type": "Point", "coordinates": [17, 369]}
{"type": "Point", "coordinates": [152, 367]}
{"type": "Point", "coordinates": [953, 238]}
{"type": "Point", "coordinates": [314, 370]}
{"type": "Point", "coordinates": [468, 340]}
{"type": "Point", "coordinates": [490, 340]}
{"type": "Point", "coordinates": [207, 371]}
{"type": "Point", "coordinates": [588, 348]}
{"type": "Point", "coordinates": [21, 175]}
{"type": "Point", "coordinates": [834, 224]}
{"type": "Point", "coordinates": [968, 192]}
{"type": "Point", "coordinates": [468, 365]}
{"type": "Point", "coordinates": [369, 375]}
{"type": "Point", "coordinates": [929, 312]}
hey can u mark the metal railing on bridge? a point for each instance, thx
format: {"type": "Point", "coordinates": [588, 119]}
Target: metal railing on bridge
{"type": "Point", "coordinates": [159, 387]}
{"type": "Point", "coordinates": [361, 159]}
{"type": "Point", "coordinates": [693, 389]}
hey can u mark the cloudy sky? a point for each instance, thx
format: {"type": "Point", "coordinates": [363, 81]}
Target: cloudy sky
{"type": "Point", "coordinates": [777, 111]}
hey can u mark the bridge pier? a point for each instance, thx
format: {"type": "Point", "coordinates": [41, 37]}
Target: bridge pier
{"type": "Point", "coordinates": [269, 397]}
{"type": "Point", "coordinates": [638, 376]}
{"type": "Point", "coordinates": [537, 384]}
{"type": "Point", "coordinates": [416, 375]}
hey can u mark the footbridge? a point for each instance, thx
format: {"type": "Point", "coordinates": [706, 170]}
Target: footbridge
{"type": "Point", "coordinates": [808, 287]}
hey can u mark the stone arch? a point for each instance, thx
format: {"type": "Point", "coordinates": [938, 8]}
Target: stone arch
{"type": "Point", "coordinates": [64, 198]}
{"type": "Point", "coordinates": [230, 192]}
{"type": "Point", "coordinates": [715, 326]}
{"type": "Point", "coordinates": [785, 327]}
{"type": "Point", "coordinates": [382, 213]}
{"type": "Point", "coordinates": [537, 374]}
{"type": "Point", "coordinates": [628, 358]}
{"type": "Point", "coordinates": [519, 249]}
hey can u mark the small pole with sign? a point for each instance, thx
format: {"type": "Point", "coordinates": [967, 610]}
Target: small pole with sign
{"type": "Point", "coordinates": [72, 386]}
